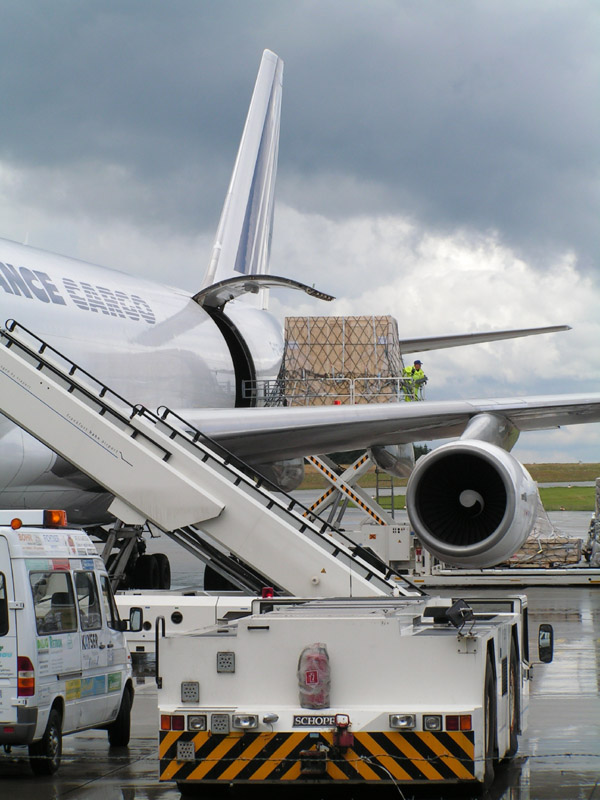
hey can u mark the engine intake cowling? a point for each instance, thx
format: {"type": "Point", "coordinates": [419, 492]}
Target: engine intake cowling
{"type": "Point", "coordinates": [471, 503]}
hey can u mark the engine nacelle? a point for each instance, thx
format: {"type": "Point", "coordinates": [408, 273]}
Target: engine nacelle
{"type": "Point", "coordinates": [471, 503]}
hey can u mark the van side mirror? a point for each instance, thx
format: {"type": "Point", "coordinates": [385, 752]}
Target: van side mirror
{"type": "Point", "coordinates": [136, 619]}
{"type": "Point", "coordinates": [546, 643]}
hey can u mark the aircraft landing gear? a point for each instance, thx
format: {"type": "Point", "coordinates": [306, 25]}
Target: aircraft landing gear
{"type": "Point", "coordinates": [128, 564]}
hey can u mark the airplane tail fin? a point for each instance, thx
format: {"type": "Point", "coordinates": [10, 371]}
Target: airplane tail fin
{"type": "Point", "coordinates": [243, 241]}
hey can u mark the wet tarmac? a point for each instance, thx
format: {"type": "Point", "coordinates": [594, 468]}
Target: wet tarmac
{"type": "Point", "coordinates": [559, 755]}
{"type": "Point", "coordinates": [558, 759]}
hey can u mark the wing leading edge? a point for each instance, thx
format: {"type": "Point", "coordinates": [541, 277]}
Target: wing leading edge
{"type": "Point", "coordinates": [458, 340]}
{"type": "Point", "coordinates": [263, 435]}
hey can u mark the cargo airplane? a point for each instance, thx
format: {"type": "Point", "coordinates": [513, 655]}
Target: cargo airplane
{"type": "Point", "coordinates": [470, 500]}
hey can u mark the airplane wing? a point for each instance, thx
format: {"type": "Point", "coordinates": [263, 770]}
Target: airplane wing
{"type": "Point", "coordinates": [262, 435]}
{"type": "Point", "coordinates": [457, 340]}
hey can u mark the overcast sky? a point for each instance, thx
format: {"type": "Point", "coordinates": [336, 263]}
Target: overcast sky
{"type": "Point", "coordinates": [439, 161]}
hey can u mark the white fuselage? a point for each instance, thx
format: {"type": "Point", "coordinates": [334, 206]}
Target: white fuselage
{"type": "Point", "coordinates": [148, 342]}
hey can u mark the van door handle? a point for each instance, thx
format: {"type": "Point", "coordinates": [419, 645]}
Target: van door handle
{"type": "Point", "coordinates": [110, 644]}
{"type": "Point", "coordinates": [101, 646]}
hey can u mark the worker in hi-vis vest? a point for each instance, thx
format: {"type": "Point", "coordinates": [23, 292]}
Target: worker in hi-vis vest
{"type": "Point", "coordinates": [414, 380]}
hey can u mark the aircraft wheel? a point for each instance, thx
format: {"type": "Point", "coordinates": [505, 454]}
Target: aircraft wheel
{"type": "Point", "coordinates": [45, 755]}
{"type": "Point", "coordinates": [146, 573]}
{"type": "Point", "coordinates": [164, 571]}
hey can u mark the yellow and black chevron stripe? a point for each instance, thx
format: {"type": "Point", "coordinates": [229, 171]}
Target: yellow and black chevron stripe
{"type": "Point", "coordinates": [321, 499]}
{"type": "Point", "coordinates": [360, 461]}
{"type": "Point", "coordinates": [383, 757]}
{"type": "Point", "coordinates": [341, 487]}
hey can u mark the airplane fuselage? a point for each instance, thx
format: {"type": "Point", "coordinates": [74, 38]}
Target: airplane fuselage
{"type": "Point", "coordinates": [148, 342]}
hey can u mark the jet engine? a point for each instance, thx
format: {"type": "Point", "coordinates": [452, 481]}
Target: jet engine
{"type": "Point", "coordinates": [471, 503]}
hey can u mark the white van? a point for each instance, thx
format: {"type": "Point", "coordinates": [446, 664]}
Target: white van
{"type": "Point", "coordinates": [64, 661]}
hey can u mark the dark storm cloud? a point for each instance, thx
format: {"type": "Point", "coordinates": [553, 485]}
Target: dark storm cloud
{"type": "Point", "coordinates": [467, 114]}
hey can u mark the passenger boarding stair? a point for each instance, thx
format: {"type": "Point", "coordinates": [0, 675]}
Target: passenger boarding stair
{"type": "Point", "coordinates": [163, 472]}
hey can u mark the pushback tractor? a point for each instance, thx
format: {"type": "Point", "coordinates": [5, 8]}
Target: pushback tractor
{"type": "Point", "coordinates": [405, 691]}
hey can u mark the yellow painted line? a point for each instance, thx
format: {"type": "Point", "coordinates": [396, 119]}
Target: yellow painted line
{"type": "Point", "coordinates": [215, 756]}
{"type": "Point", "coordinates": [398, 740]}
{"type": "Point", "coordinates": [446, 756]}
{"type": "Point", "coordinates": [247, 755]}
{"type": "Point", "coordinates": [278, 756]}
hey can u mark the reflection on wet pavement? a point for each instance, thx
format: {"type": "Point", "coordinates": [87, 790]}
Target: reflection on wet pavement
{"type": "Point", "coordinates": [559, 755]}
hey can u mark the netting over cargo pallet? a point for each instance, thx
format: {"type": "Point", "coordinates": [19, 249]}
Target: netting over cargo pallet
{"type": "Point", "coordinates": [343, 359]}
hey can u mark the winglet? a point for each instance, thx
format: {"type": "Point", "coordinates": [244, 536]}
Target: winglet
{"type": "Point", "coordinates": [243, 239]}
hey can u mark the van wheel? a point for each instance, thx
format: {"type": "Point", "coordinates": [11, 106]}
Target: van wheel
{"type": "Point", "coordinates": [44, 756]}
{"type": "Point", "coordinates": [119, 730]}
